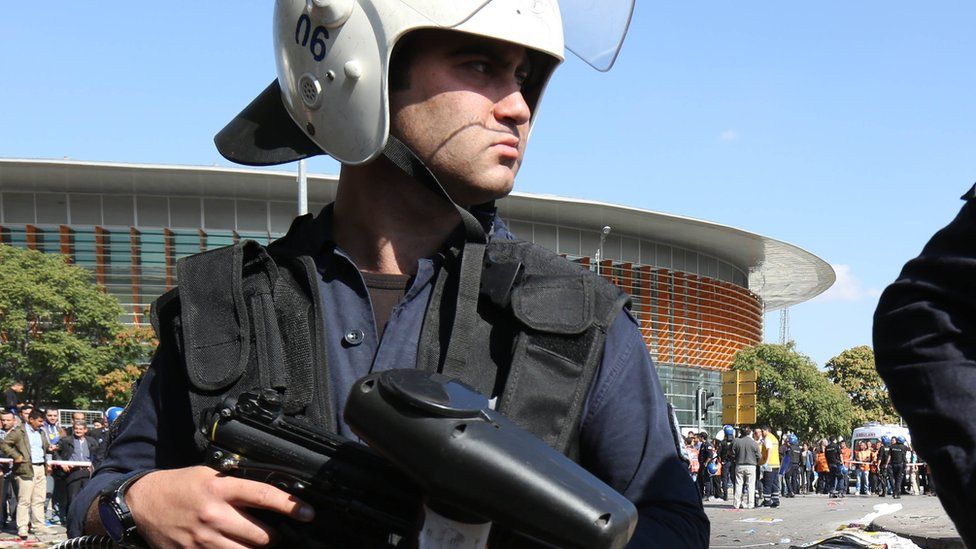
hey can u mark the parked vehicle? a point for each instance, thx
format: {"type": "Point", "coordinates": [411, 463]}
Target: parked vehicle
{"type": "Point", "coordinates": [872, 432]}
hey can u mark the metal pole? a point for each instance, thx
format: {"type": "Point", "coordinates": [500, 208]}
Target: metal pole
{"type": "Point", "coordinates": [699, 406]}
{"type": "Point", "coordinates": [599, 252]}
{"type": "Point", "coordinates": [302, 189]}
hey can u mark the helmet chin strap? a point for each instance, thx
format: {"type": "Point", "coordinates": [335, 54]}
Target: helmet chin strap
{"type": "Point", "coordinates": [472, 255]}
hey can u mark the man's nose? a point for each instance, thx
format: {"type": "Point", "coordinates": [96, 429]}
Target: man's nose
{"type": "Point", "coordinates": [513, 107]}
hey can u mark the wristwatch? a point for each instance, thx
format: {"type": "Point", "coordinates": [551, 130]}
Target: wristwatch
{"type": "Point", "coordinates": [115, 514]}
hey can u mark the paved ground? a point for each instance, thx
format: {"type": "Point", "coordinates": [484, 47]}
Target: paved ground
{"type": "Point", "coordinates": [799, 520]}
{"type": "Point", "coordinates": [808, 518]}
{"type": "Point", "coordinates": [9, 539]}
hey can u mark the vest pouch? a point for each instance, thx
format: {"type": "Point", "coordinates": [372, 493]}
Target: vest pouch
{"type": "Point", "coordinates": [215, 322]}
{"type": "Point", "coordinates": [549, 379]}
{"type": "Point", "coordinates": [554, 304]}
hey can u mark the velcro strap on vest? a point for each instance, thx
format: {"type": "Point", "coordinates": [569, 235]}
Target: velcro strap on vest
{"type": "Point", "coordinates": [216, 333]}
{"type": "Point", "coordinates": [554, 304]}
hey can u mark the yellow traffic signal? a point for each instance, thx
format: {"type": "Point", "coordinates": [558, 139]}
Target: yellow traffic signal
{"type": "Point", "coordinates": [739, 388]}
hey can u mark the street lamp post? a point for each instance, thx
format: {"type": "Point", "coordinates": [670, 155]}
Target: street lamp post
{"type": "Point", "coordinates": [302, 189]}
{"type": "Point", "coordinates": [599, 251]}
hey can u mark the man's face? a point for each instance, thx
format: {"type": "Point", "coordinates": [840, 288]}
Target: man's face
{"type": "Point", "coordinates": [463, 112]}
{"type": "Point", "coordinates": [7, 421]}
{"type": "Point", "coordinates": [77, 416]}
{"type": "Point", "coordinates": [35, 423]}
{"type": "Point", "coordinates": [97, 424]}
{"type": "Point", "coordinates": [17, 387]}
{"type": "Point", "coordinates": [79, 430]}
{"type": "Point", "coordinates": [25, 413]}
{"type": "Point", "coordinates": [51, 416]}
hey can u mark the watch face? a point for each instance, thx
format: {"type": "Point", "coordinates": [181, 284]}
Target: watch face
{"type": "Point", "coordinates": [110, 520]}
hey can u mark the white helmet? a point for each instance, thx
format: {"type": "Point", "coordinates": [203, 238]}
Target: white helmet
{"type": "Point", "coordinates": [333, 57]}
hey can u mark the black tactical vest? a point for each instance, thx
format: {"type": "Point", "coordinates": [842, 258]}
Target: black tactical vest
{"type": "Point", "coordinates": [249, 316]}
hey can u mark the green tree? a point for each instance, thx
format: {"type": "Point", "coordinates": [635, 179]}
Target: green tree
{"type": "Point", "coordinates": [59, 332]}
{"type": "Point", "coordinates": [792, 394]}
{"type": "Point", "coordinates": [853, 370]}
{"type": "Point", "coordinates": [135, 344]}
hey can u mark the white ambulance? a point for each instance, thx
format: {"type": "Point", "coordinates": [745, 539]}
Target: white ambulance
{"type": "Point", "coordinates": [872, 432]}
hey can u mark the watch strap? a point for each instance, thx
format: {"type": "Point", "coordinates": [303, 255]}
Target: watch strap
{"type": "Point", "coordinates": [113, 495]}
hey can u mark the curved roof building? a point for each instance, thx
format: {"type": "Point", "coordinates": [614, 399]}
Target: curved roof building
{"type": "Point", "coordinates": [699, 288]}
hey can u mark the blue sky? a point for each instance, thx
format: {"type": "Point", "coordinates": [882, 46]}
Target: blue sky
{"type": "Point", "coordinates": [846, 128]}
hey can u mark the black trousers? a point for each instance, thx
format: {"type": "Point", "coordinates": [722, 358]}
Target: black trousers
{"type": "Point", "coordinates": [8, 499]}
{"type": "Point", "coordinates": [704, 483]}
{"type": "Point", "coordinates": [728, 477]}
{"type": "Point", "coordinates": [897, 478]}
{"type": "Point", "coordinates": [791, 481]}
{"type": "Point", "coordinates": [770, 485]}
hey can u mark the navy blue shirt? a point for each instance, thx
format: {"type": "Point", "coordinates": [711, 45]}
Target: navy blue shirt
{"type": "Point", "coordinates": [625, 436]}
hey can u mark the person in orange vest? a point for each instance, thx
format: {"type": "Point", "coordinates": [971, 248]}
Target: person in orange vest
{"type": "Point", "coordinates": [863, 457]}
{"type": "Point", "coordinates": [875, 467]}
{"type": "Point", "coordinates": [692, 451]}
{"type": "Point", "coordinates": [822, 468]}
{"type": "Point", "coordinates": [846, 455]}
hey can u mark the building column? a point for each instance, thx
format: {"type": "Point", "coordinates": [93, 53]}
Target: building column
{"type": "Point", "coordinates": [67, 243]}
{"type": "Point", "coordinates": [35, 238]}
{"type": "Point", "coordinates": [135, 272]}
{"type": "Point", "coordinates": [169, 253]}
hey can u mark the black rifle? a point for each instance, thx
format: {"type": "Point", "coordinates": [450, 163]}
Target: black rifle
{"type": "Point", "coordinates": [360, 499]}
{"type": "Point", "coordinates": [441, 445]}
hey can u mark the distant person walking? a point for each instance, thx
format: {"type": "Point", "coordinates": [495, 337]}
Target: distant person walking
{"type": "Point", "coordinates": [27, 445]}
{"type": "Point", "coordinates": [746, 453]}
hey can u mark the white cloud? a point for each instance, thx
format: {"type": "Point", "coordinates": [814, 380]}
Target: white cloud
{"type": "Point", "coordinates": [729, 135]}
{"type": "Point", "coordinates": [847, 287]}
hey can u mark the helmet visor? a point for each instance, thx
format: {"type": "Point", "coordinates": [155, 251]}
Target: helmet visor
{"type": "Point", "coordinates": [592, 29]}
{"type": "Point", "coordinates": [595, 29]}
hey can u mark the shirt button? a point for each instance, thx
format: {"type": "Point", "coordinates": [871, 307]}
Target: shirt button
{"type": "Point", "coordinates": [354, 337]}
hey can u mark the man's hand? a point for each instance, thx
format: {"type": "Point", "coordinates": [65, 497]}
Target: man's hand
{"type": "Point", "coordinates": [198, 507]}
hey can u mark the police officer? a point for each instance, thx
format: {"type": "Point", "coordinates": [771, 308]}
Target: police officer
{"type": "Point", "coordinates": [726, 453]}
{"type": "Point", "coordinates": [706, 456]}
{"type": "Point", "coordinates": [925, 349]}
{"type": "Point", "coordinates": [392, 88]}
{"type": "Point", "coordinates": [832, 453]}
{"type": "Point", "coordinates": [897, 454]}
{"type": "Point", "coordinates": [884, 466]}
{"type": "Point", "coordinates": [793, 482]}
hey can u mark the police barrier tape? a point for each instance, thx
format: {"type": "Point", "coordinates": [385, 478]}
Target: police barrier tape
{"type": "Point", "coordinates": [59, 462]}
{"type": "Point", "coordinates": [876, 463]}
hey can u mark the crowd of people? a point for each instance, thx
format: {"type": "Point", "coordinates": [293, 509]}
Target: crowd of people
{"type": "Point", "coordinates": [757, 468]}
{"type": "Point", "coordinates": [43, 465]}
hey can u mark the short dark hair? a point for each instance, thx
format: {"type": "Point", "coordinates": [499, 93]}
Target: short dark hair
{"type": "Point", "coordinates": [35, 414]}
{"type": "Point", "coordinates": [746, 431]}
{"type": "Point", "coordinates": [400, 60]}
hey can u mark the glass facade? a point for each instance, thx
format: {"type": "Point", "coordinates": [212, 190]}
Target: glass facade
{"type": "Point", "coordinates": [694, 310]}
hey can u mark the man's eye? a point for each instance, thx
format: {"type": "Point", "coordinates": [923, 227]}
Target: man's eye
{"type": "Point", "coordinates": [480, 66]}
{"type": "Point", "coordinates": [521, 78]}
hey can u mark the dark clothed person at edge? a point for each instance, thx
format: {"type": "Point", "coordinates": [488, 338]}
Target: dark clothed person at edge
{"type": "Point", "coordinates": [925, 347]}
